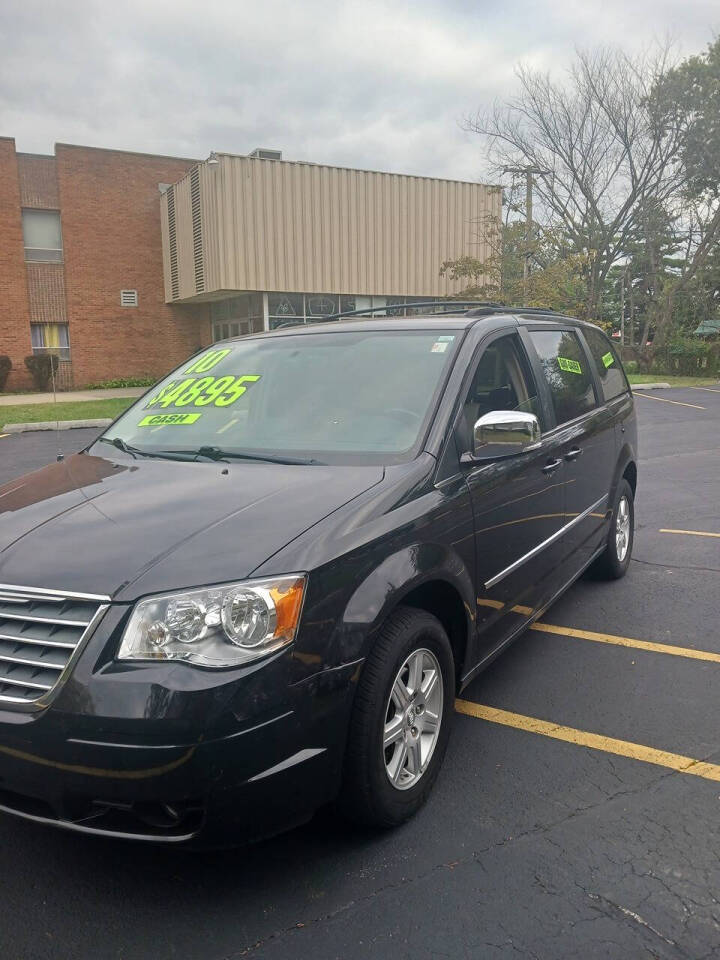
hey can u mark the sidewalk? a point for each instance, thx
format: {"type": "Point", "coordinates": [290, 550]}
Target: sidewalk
{"type": "Point", "coordinates": [17, 399]}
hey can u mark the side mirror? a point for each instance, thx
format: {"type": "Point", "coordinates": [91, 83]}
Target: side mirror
{"type": "Point", "coordinates": [504, 433]}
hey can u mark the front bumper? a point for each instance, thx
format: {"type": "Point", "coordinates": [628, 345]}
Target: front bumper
{"type": "Point", "coordinates": [157, 779]}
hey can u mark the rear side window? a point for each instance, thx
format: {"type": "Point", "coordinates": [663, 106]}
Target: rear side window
{"type": "Point", "coordinates": [565, 368]}
{"type": "Point", "coordinates": [608, 365]}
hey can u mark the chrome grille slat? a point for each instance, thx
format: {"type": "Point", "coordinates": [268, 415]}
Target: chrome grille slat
{"type": "Point", "coordinates": [26, 683]}
{"type": "Point", "coordinates": [32, 662]}
{"type": "Point", "coordinates": [55, 620]}
{"type": "Point", "coordinates": [43, 664]}
{"type": "Point", "coordinates": [56, 644]}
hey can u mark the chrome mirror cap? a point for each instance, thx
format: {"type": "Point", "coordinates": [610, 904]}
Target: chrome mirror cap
{"type": "Point", "coordinates": [504, 433]}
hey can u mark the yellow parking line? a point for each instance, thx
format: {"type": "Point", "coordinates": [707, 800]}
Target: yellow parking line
{"type": "Point", "coordinates": [678, 403]}
{"type": "Point", "coordinates": [709, 389]}
{"type": "Point", "coordinates": [674, 651]}
{"type": "Point", "coordinates": [692, 533]}
{"type": "Point", "coordinates": [582, 738]}
{"type": "Point", "coordinates": [4, 435]}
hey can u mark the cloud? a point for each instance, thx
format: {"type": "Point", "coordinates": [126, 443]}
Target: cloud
{"type": "Point", "coordinates": [379, 84]}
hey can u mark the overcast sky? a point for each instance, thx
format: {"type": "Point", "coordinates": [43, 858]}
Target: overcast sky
{"type": "Point", "coordinates": [380, 84]}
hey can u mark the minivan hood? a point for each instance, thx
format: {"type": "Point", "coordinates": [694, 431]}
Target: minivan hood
{"type": "Point", "coordinates": [125, 528]}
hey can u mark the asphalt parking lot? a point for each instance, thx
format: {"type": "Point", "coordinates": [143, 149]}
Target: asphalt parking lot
{"type": "Point", "coordinates": [576, 815]}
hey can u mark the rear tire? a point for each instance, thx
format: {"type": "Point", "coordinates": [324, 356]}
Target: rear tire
{"type": "Point", "coordinates": [613, 563]}
{"type": "Point", "coordinates": [401, 719]}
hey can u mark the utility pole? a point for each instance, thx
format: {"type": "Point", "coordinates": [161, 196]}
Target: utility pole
{"type": "Point", "coordinates": [528, 172]}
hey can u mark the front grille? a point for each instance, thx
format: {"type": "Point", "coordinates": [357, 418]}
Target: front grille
{"type": "Point", "coordinates": [40, 630]}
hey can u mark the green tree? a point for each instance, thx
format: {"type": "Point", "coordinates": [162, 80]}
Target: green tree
{"type": "Point", "coordinates": [687, 98]}
{"type": "Point", "coordinates": [605, 150]}
{"type": "Point", "coordinates": [558, 278]}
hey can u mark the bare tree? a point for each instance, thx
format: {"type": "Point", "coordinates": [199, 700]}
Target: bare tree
{"type": "Point", "coordinates": [607, 145]}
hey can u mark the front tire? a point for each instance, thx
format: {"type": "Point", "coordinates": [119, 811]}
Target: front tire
{"type": "Point", "coordinates": [613, 563]}
{"type": "Point", "coordinates": [401, 720]}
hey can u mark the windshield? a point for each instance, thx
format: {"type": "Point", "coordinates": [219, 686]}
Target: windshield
{"type": "Point", "coordinates": [330, 397]}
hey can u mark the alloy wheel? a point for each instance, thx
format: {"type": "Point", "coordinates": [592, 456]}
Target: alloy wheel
{"type": "Point", "coordinates": [413, 715]}
{"type": "Point", "coordinates": [622, 529]}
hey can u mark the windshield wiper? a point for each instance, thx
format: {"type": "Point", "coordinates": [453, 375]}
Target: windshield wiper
{"type": "Point", "coordinates": [136, 452]}
{"type": "Point", "coordinates": [209, 452]}
{"type": "Point", "coordinates": [121, 445]}
{"type": "Point", "coordinates": [217, 453]}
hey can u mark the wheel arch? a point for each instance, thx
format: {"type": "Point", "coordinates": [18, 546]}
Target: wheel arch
{"type": "Point", "coordinates": [428, 577]}
{"type": "Point", "coordinates": [630, 474]}
{"type": "Point", "coordinates": [626, 468]}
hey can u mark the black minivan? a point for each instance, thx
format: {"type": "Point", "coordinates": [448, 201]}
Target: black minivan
{"type": "Point", "coordinates": [262, 587]}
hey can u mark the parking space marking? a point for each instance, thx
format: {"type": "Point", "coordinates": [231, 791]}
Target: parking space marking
{"type": "Point", "coordinates": [595, 741]}
{"type": "Point", "coordinates": [709, 389]}
{"type": "Point", "coordinates": [678, 403]}
{"type": "Point", "coordinates": [691, 533]}
{"type": "Point", "coordinates": [669, 648]}
{"type": "Point", "coordinates": [4, 435]}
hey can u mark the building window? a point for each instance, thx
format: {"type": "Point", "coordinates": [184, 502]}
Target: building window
{"type": "Point", "coordinates": [50, 338]}
{"type": "Point", "coordinates": [236, 316]}
{"type": "Point", "coordinates": [42, 235]}
{"type": "Point", "coordinates": [291, 309]}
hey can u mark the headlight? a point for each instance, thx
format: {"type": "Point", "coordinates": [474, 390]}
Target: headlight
{"type": "Point", "coordinates": [222, 626]}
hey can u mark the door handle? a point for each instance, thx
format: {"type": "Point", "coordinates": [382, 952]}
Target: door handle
{"type": "Point", "coordinates": [573, 453]}
{"type": "Point", "coordinates": [551, 466]}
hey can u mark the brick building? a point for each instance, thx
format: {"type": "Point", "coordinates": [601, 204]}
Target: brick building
{"type": "Point", "coordinates": [79, 239]}
{"type": "Point", "coordinates": [125, 263]}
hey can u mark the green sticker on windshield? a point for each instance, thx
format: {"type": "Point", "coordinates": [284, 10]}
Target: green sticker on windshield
{"type": "Point", "coordinates": [201, 391]}
{"type": "Point", "coordinates": [207, 361]}
{"type": "Point", "coordinates": [176, 419]}
{"type": "Point", "coordinates": [571, 366]}
{"type": "Point", "coordinates": [608, 359]}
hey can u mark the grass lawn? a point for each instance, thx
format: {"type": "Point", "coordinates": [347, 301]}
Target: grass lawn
{"type": "Point", "coordinates": [79, 410]}
{"type": "Point", "coordinates": [638, 378]}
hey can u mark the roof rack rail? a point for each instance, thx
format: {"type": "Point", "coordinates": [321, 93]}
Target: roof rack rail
{"type": "Point", "coordinates": [461, 305]}
{"type": "Point", "coordinates": [468, 308]}
{"type": "Point", "coordinates": [500, 308]}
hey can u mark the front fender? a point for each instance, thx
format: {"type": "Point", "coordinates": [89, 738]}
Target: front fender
{"type": "Point", "coordinates": [626, 455]}
{"type": "Point", "coordinates": [397, 576]}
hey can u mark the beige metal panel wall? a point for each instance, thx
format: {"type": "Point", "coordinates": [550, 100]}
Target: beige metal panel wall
{"type": "Point", "coordinates": [165, 230]}
{"type": "Point", "coordinates": [183, 226]}
{"type": "Point", "coordinates": [276, 225]}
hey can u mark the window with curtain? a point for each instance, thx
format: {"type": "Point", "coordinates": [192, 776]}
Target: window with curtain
{"type": "Point", "coordinates": [50, 338]}
{"type": "Point", "coordinates": [42, 235]}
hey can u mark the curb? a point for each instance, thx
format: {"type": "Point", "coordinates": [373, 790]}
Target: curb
{"type": "Point", "coordinates": [650, 386]}
{"type": "Point", "coordinates": [54, 425]}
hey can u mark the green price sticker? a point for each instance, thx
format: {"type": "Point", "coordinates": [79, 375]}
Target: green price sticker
{"type": "Point", "coordinates": [571, 366]}
{"type": "Point", "coordinates": [207, 361]}
{"type": "Point", "coordinates": [608, 359]}
{"type": "Point", "coordinates": [174, 419]}
{"type": "Point", "coordinates": [201, 391]}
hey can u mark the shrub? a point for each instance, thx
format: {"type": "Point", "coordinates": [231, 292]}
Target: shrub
{"type": "Point", "coordinates": [5, 368]}
{"type": "Point", "coordinates": [631, 366]}
{"type": "Point", "coordinates": [688, 356]}
{"type": "Point", "coordinates": [42, 367]}
{"type": "Point", "coordinates": [123, 382]}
